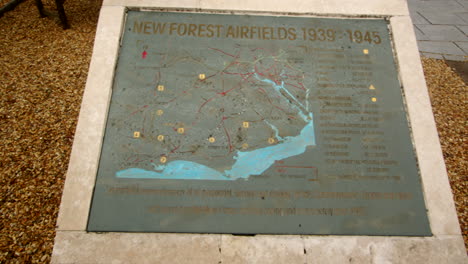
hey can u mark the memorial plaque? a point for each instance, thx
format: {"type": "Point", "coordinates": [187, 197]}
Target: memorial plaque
{"type": "Point", "coordinates": [249, 124]}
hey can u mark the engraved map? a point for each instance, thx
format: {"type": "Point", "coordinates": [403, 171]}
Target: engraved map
{"type": "Point", "coordinates": [249, 124]}
{"type": "Point", "coordinates": [218, 114]}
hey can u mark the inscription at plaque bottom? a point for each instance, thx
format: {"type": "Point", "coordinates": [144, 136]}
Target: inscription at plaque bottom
{"type": "Point", "coordinates": [257, 124]}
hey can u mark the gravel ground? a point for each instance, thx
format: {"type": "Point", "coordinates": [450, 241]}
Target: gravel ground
{"type": "Point", "coordinates": [42, 76]}
{"type": "Point", "coordinates": [450, 106]}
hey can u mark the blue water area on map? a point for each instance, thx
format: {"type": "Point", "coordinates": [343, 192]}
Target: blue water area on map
{"type": "Point", "coordinates": [247, 163]}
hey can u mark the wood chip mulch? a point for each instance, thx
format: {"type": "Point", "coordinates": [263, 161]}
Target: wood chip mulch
{"type": "Point", "coordinates": [42, 76]}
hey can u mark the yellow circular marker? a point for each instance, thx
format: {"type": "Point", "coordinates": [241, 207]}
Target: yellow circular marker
{"type": "Point", "coordinates": [245, 146]}
{"type": "Point", "coordinates": [211, 139]}
{"type": "Point", "coordinates": [271, 140]}
{"type": "Point", "coordinates": [136, 134]}
{"type": "Point", "coordinates": [201, 76]}
{"type": "Point", "coordinates": [365, 51]}
{"type": "Point", "coordinates": [160, 138]}
{"type": "Point", "coordinates": [163, 159]}
{"type": "Point", "coordinates": [159, 112]}
{"type": "Point", "coordinates": [245, 124]}
{"type": "Point", "coordinates": [160, 88]}
{"type": "Point", "coordinates": [180, 130]}
{"type": "Point", "coordinates": [371, 87]}
{"type": "Point", "coordinates": [374, 99]}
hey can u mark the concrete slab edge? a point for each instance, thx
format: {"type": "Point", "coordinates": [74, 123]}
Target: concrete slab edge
{"type": "Point", "coordinates": [81, 247]}
{"type": "Point", "coordinates": [84, 159]}
{"type": "Point", "coordinates": [350, 7]}
{"type": "Point", "coordinates": [436, 187]}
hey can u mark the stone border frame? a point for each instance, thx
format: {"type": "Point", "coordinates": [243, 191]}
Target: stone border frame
{"type": "Point", "coordinates": [74, 245]}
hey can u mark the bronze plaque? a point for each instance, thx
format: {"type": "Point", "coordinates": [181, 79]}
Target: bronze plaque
{"type": "Point", "coordinates": [257, 124]}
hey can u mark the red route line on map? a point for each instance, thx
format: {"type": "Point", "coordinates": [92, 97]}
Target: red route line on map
{"type": "Point", "coordinates": [202, 105]}
{"type": "Point", "coordinates": [158, 78]}
{"type": "Point", "coordinates": [225, 53]}
{"type": "Point", "coordinates": [302, 88]}
{"type": "Point", "coordinates": [236, 73]}
{"type": "Point", "coordinates": [287, 66]}
{"type": "Point", "coordinates": [293, 76]}
{"type": "Point", "coordinates": [227, 134]}
{"type": "Point", "coordinates": [174, 149]}
{"type": "Point", "coordinates": [299, 167]}
{"type": "Point", "coordinates": [264, 71]}
{"type": "Point", "coordinates": [144, 122]}
{"type": "Point", "coordinates": [269, 100]}
{"type": "Point", "coordinates": [238, 85]}
{"type": "Point", "coordinates": [145, 106]}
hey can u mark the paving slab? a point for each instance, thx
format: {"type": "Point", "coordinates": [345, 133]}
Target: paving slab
{"type": "Point", "coordinates": [433, 55]}
{"type": "Point", "coordinates": [418, 19]}
{"type": "Point", "coordinates": [434, 6]}
{"type": "Point", "coordinates": [463, 46]}
{"type": "Point", "coordinates": [443, 22]}
{"type": "Point", "coordinates": [419, 34]}
{"type": "Point", "coordinates": [440, 47]}
{"type": "Point", "coordinates": [441, 33]}
{"type": "Point", "coordinates": [464, 3]}
{"type": "Point", "coordinates": [464, 29]}
{"type": "Point", "coordinates": [463, 15]}
{"type": "Point", "coordinates": [443, 18]}
{"type": "Point", "coordinates": [454, 58]}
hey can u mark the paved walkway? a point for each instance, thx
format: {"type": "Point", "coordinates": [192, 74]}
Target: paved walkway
{"type": "Point", "coordinates": [441, 28]}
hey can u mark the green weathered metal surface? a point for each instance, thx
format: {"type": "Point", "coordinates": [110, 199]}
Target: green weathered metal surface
{"type": "Point", "coordinates": [257, 124]}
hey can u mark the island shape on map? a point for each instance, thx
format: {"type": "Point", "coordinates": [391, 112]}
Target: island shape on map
{"type": "Point", "coordinates": [219, 114]}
